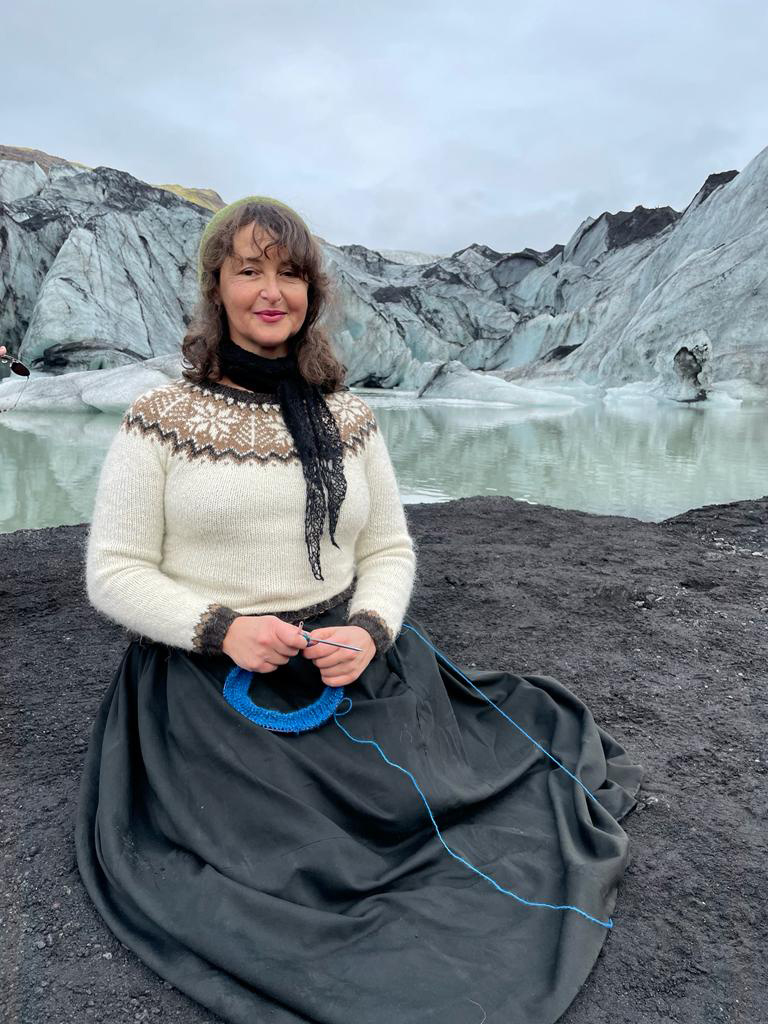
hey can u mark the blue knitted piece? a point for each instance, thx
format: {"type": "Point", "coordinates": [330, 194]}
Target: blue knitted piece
{"type": "Point", "coordinates": [310, 717]}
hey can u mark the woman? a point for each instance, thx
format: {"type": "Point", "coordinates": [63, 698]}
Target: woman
{"type": "Point", "coordinates": [418, 858]}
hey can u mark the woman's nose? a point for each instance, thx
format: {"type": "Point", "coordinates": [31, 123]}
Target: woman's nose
{"type": "Point", "coordinates": [271, 287]}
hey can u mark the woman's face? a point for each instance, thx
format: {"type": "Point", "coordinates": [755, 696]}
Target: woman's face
{"type": "Point", "coordinates": [250, 283]}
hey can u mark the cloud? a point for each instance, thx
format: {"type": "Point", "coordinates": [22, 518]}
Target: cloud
{"type": "Point", "coordinates": [424, 126]}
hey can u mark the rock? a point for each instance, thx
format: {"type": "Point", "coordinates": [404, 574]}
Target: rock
{"type": "Point", "coordinates": [454, 380]}
{"type": "Point", "coordinates": [98, 274]}
{"type": "Point", "coordinates": [101, 391]}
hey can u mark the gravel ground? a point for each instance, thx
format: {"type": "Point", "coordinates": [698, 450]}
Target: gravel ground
{"type": "Point", "coordinates": [662, 628]}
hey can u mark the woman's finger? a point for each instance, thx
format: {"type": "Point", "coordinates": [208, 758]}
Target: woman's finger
{"type": "Point", "coordinates": [280, 648]}
{"type": "Point", "coordinates": [342, 678]}
{"type": "Point", "coordinates": [276, 659]}
{"type": "Point", "coordinates": [340, 669]}
{"type": "Point", "coordinates": [333, 659]}
{"type": "Point", "coordinates": [337, 680]}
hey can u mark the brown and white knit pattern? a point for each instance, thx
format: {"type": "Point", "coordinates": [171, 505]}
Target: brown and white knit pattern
{"type": "Point", "coordinates": [217, 422]}
{"type": "Point", "coordinates": [199, 518]}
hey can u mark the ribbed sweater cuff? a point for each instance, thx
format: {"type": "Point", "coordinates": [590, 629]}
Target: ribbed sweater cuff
{"type": "Point", "coordinates": [212, 628]}
{"type": "Point", "coordinates": [373, 623]}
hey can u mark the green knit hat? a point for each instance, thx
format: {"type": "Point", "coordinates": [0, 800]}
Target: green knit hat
{"type": "Point", "coordinates": [224, 213]}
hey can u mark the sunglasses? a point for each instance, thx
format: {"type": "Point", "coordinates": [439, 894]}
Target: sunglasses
{"type": "Point", "coordinates": [16, 366]}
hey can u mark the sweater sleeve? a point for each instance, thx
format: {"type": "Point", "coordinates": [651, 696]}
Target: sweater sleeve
{"type": "Point", "coordinates": [124, 551]}
{"type": "Point", "coordinates": [385, 557]}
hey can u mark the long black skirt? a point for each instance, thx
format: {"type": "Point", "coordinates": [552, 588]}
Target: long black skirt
{"type": "Point", "coordinates": [299, 877]}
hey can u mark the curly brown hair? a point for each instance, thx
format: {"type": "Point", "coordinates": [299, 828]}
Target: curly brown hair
{"type": "Point", "coordinates": [314, 353]}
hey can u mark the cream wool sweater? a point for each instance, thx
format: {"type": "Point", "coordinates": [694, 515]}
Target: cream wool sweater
{"type": "Point", "coordinates": [199, 518]}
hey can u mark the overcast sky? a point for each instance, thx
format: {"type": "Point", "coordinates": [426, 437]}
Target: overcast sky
{"type": "Point", "coordinates": [399, 125]}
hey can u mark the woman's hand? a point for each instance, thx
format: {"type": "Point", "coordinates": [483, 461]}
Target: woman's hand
{"type": "Point", "coordinates": [259, 643]}
{"type": "Point", "coordinates": [337, 665]}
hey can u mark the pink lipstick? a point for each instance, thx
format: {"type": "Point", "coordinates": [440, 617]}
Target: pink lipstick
{"type": "Point", "coordinates": [270, 318]}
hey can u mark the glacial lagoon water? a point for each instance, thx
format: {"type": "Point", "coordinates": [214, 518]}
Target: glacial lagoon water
{"type": "Point", "coordinates": [644, 459]}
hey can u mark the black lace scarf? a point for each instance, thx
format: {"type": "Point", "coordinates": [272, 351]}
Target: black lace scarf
{"type": "Point", "coordinates": [313, 429]}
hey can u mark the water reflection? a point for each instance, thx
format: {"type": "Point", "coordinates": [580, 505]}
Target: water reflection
{"type": "Point", "coordinates": [50, 466]}
{"type": "Point", "coordinates": [643, 460]}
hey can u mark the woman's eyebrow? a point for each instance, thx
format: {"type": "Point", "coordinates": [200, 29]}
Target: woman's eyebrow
{"type": "Point", "coordinates": [258, 259]}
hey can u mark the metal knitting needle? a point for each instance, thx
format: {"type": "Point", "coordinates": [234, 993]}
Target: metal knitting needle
{"type": "Point", "coordinates": [310, 640]}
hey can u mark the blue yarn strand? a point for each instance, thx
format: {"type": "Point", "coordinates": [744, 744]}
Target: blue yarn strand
{"type": "Point", "coordinates": [508, 892]}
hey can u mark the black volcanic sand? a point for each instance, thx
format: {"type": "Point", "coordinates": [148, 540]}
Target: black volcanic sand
{"type": "Point", "coordinates": [662, 628]}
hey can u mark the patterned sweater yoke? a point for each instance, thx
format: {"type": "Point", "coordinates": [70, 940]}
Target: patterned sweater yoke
{"type": "Point", "coordinates": [199, 518]}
